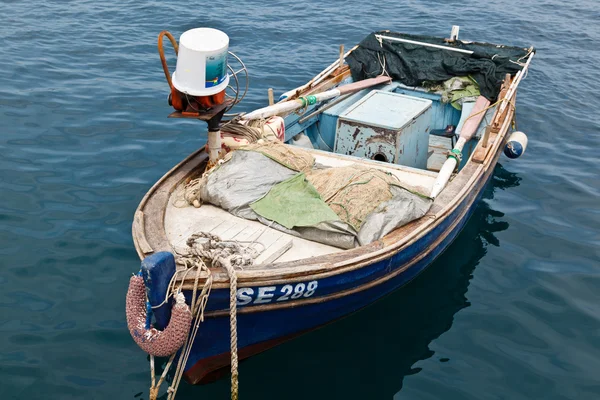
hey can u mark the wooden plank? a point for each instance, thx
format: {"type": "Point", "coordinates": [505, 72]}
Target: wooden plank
{"type": "Point", "coordinates": [227, 230]}
{"type": "Point", "coordinates": [501, 112]}
{"type": "Point", "coordinates": [436, 160]}
{"type": "Point", "coordinates": [139, 232]}
{"type": "Point", "coordinates": [440, 147]}
{"type": "Point", "coordinates": [180, 223]}
{"type": "Point", "coordinates": [247, 233]}
{"type": "Point", "coordinates": [481, 152]}
{"type": "Point", "coordinates": [220, 229]}
{"type": "Point", "coordinates": [267, 238]}
{"type": "Point", "coordinates": [475, 117]}
{"type": "Point", "coordinates": [275, 251]}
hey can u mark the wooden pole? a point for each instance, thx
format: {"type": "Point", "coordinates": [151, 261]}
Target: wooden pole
{"type": "Point", "coordinates": [317, 79]}
{"type": "Point", "coordinates": [437, 46]}
{"type": "Point", "coordinates": [287, 106]}
{"type": "Point", "coordinates": [486, 136]}
{"type": "Point", "coordinates": [271, 98]}
{"type": "Point", "coordinates": [341, 62]}
{"type": "Point", "coordinates": [495, 125]}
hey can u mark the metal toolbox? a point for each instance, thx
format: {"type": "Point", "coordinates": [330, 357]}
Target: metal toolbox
{"type": "Point", "coordinates": [386, 126]}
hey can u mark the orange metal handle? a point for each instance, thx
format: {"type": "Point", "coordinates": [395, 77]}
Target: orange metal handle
{"type": "Point", "coordinates": [161, 53]}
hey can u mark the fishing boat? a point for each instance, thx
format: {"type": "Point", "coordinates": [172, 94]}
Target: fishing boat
{"type": "Point", "coordinates": [315, 206]}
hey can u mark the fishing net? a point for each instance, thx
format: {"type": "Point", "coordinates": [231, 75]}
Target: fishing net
{"type": "Point", "coordinates": [288, 159]}
{"type": "Point", "coordinates": [236, 133]}
{"type": "Point", "coordinates": [280, 186]}
{"type": "Point", "coordinates": [352, 192]}
{"type": "Point", "coordinates": [291, 157]}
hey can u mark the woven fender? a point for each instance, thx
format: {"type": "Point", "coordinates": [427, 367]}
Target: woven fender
{"type": "Point", "coordinates": [152, 341]}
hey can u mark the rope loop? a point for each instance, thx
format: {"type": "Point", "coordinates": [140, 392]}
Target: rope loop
{"type": "Point", "coordinates": [457, 155]}
{"type": "Point", "coordinates": [304, 107]}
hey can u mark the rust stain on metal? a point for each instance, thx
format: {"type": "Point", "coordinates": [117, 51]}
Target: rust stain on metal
{"type": "Point", "coordinates": [381, 139]}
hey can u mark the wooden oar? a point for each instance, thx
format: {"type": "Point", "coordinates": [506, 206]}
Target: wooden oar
{"type": "Point", "coordinates": [470, 127]}
{"type": "Point", "coordinates": [468, 130]}
{"type": "Point", "coordinates": [287, 106]}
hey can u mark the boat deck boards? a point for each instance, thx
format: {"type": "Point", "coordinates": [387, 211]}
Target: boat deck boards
{"type": "Point", "coordinates": [181, 223]}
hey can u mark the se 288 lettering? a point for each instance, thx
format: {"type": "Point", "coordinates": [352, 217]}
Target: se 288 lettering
{"type": "Point", "coordinates": [268, 294]}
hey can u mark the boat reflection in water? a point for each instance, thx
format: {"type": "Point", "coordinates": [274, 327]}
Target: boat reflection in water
{"type": "Point", "coordinates": [367, 355]}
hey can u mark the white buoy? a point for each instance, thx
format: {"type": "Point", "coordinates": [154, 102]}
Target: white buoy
{"type": "Point", "coordinates": [516, 145]}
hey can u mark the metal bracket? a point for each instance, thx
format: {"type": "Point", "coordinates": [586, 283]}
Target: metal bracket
{"type": "Point", "coordinates": [453, 34]}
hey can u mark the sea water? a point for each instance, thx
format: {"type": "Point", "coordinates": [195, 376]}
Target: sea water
{"type": "Point", "coordinates": [509, 311]}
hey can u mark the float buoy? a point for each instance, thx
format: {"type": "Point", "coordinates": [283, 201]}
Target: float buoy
{"type": "Point", "coordinates": [151, 340]}
{"type": "Point", "coordinates": [516, 145]}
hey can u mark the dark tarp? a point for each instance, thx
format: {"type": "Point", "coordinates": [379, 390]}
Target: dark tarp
{"type": "Point", "coordinates": [413, 64]}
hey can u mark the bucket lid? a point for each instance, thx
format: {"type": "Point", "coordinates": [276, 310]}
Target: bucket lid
{"type": "Point", "coordinates": [204, 39]}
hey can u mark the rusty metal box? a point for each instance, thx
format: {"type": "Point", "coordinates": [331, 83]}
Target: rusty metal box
{"type": "Point", "coordinates": [386, 126]}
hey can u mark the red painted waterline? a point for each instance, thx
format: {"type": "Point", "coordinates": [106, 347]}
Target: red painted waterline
{"type": "Point", "coordinates": [212, 368]}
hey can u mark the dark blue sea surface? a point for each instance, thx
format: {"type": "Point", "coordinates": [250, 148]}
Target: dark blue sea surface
{"type": "Point", "coordinates": [509, 311]}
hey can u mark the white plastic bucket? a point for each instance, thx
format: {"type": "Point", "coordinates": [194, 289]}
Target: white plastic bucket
{"type": "Point", "coordinates": [202, 62]}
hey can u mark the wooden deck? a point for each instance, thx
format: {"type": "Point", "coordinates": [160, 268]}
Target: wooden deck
{"type": "Point", "coordinates": [181, 223]}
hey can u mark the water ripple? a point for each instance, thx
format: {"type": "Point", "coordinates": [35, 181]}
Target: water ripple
{"type": "Point", "coordinates": [508, 312]}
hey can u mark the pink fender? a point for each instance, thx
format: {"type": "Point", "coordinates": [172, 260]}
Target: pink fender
{"type": "Point", "coordinates": [152, 341]}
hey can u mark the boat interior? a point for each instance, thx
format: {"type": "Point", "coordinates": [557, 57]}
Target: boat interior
{"type": "Point", "coordinates": [403, 131]}
{"type": "Point", "coordinates": [376, 111]}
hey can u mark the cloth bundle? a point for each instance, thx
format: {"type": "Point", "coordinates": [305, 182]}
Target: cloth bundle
{"type": "Point", "coordinates": [281, 186]}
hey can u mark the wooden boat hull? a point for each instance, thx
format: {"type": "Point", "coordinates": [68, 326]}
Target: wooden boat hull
{"type": "Point", "coordinates": [262, 326]}
{"type": "Point", "coordinates": [303, 287]}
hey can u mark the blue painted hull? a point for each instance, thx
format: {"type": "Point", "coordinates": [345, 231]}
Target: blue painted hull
{"type": "Point", "coordinates": [341, 295]}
